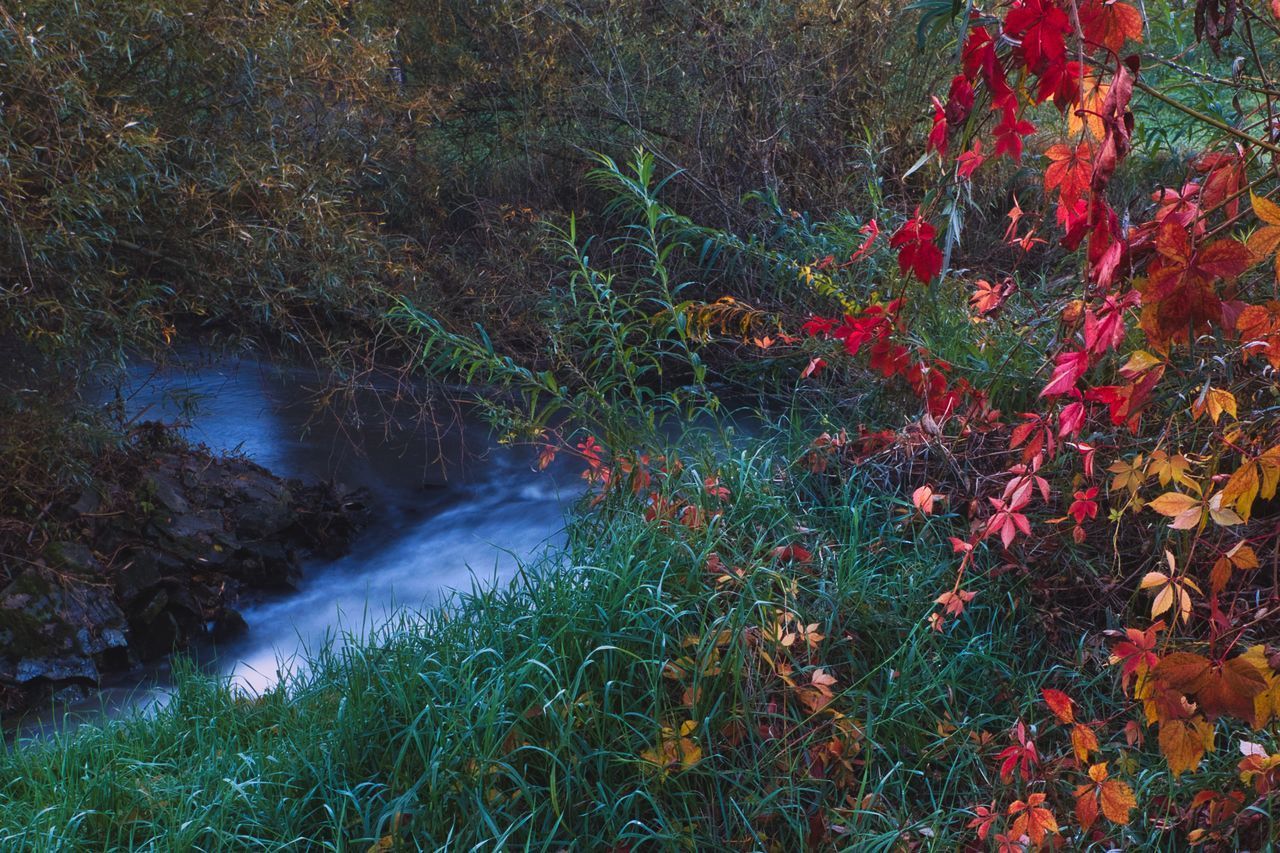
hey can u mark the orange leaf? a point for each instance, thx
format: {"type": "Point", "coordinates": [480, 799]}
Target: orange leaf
{"type": "Point", "coordinates": [1117, 800]}
{"type": "Point", "coordinates": [1259, 328]}
{"type": "Point", "coordinates": [1033, 819]}
{"type": "Point", "coordinates": [1240, 558]}
{"type": "Point", "coordinates": [1184, 743]}
{"type": "Point", "coordinates": [1087, 806]}
{"type": "Point", "coordinates": [1183, 671]}
{"type": "Point", "coordinates": [1083, 741]}
{"type": "Point", "coordinates": [923, 499]}
{"type": "Point", "coordinates": [987, 298]}
{"type": "Point", "coordinates": [1231, 688]}
{"type": "Point", "coordinates": [1266, 240]}
{"type": "Point", "coordinates": [1060, 704]}
{"type": "Point", "coordinates": [1069, 171]}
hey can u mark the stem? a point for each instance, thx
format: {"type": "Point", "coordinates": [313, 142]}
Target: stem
{"type": "Point", "coordinates": [1206, 119]}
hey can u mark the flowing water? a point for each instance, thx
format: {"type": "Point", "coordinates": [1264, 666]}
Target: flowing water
{"type": "Point", "coordinates": [449, 508]}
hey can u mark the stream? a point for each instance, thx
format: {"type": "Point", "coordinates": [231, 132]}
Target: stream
{"type": "Point", "coordinates": [450, 509]}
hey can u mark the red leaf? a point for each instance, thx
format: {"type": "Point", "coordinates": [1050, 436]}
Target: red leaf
{"type": "Point", "coordinates": [1179, 295]}
{"type": "Point", "coordinates": [1109, 23]}
{"type": "Point", "coordinates": [1068, 368]}
{"type": "Point", "coordinates": [1084, 505]}
{"type": "Point", "coordinates": [916, 250]}
{"type": "Point", "coordinates": [1070, 419]}
{"type": "Point", "coordinates": [938, 135]}
{"type": "Point", "coordinates": [1069, 171]}
{"type": "Point", "coordinates": [1009, 134]}
{"type": "Point", "coordinates": [1224, 177]}
{"type": "Point", "coordinates": [792, 553]}
{"type": "Point", "coordinates": [1042, 28]}
{"type": "Point", "coordinates": [969, 162]}
{"type": "Point", "coordinates": [1104, 328]}
{"type": "Point", "coordinates": [1117, 123]}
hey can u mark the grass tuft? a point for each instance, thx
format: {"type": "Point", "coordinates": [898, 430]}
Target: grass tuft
{"type": "Point", "coordinates": [532, 715]}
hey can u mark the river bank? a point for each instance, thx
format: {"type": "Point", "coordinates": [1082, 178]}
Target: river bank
{"type": "Point", "coordinates": [158, 551]}
{"type": "Point", "coordinates": [250, 498]}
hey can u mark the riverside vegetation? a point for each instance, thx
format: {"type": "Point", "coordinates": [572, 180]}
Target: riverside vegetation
{"type": "Point", "coordinates": [997, 567]}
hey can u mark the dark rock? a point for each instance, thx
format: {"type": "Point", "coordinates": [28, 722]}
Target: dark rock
{"type": "Point", "coordinates": [142, 571]}
{"type": "Point", "coordinates": [166, 491]}
{"type": "Point", "coordinates": [229, 625]}
{"type": "Point", "coordinates": [73, 557]}
{"type": "Point", "coordinates": [55, 632]}
{"type": "Point", "coordinates": [71, 694]}
{"type": "Point", "coordinates": [191, 535]}
{"type": "Point", "coordinates": [183, 535]}
{"type": "Point", "coordinates": [88, 502]}
{"type": "Point", "coordinates": [152, 610]}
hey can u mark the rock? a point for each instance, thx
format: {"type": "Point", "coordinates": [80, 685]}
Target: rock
{"type": "Point", "coordinates": [73, 557]}
{"type": "Point", "coordinates": [71, 694]}
{"type": "Point", "coordinates": [192, 534]}
{"type": "Point", "coordinates": [142, 571]}
{"type": "Point", "coordinates": [228, 626]}
{"type": "Point", "coordinates": [55, 632]}
{"type": "Point", "coordinates": [183, 536]}
{"type": "Point", "coordinates": [166, 491]}
{"type": "Point", "coordinates": [257, 520]}
{"type": "Point", "coordinates": [88, 502]}
{"type": "Point", "coordinates": [267, 563]}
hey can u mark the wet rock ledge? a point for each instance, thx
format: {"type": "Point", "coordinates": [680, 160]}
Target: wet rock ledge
{"type": "Point", "coordinates": [155, 554]}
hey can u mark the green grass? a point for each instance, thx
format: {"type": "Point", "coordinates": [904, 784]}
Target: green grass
{"type": "Point", "coordinates": [518, 717]}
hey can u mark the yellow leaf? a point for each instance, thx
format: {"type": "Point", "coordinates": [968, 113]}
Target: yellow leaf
{"type": "Point", "coordinates": [1221, 515]}
{"type": "Point", "coordinates": [1266, 705]}
{"type": "Point", "coordinates": [1093, 94]}
{"type": "Point", "coordinates": [1265, 209]}
{"type": "Point", "coordinates": [1215, 401]}
{"type": "Point", "coordinates": [1163, 600]}
{"type": "Point", "coordinates": [1129, 475]}
{"type": "Point", "coordinates": [1172, 469]}
{"type": "Point", "coordinates": [1243, 557]}
{"type": "Point", "coordinates": [1184, 743]}
{"type": "Point", "coordinates": [1173, 590]}
{"type": "Point", "coordinates": [1269, 464]}
{"type": "Point", "coordinates": [1185, 510]}
{"type": "Point", "coordinates": [690, 752]}
{"type": "Point", "coordinates": [1242, 489]}
{"type": "Point", "coordinates": [1173, 504]}
{"type": "Point", "coordinates": [1140, 362]}
{"type": "Point", "coordinates": [1151, 579]}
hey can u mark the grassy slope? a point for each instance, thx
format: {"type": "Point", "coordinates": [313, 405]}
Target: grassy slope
{"type": "Point", "coordinates": [520, 715]}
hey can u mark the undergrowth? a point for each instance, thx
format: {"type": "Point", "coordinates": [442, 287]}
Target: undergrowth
{"type": "Point", "coordinates": [636, 689]}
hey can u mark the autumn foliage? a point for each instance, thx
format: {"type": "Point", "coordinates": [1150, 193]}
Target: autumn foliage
{"type": "Point", "coordinates": [1154, 440]}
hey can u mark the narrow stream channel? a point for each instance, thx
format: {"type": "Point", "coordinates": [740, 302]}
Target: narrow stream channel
{"type": "Point", "coordinates": [450, 508]}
